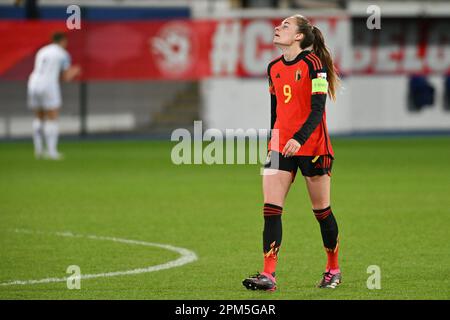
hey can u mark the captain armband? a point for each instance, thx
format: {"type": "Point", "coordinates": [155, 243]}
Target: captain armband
{"type": "Point", "coordinates": [319, 86]}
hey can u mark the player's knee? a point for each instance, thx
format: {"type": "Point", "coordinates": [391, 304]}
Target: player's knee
{"type": "Point", "coordinates": [52, 115]}
{"type": "Point", "coordinates": [274, 196]}
{"type": "Point", "coordinates": [39, 114]}
{"type": "Point", "coordinates": [320, 205]}
{"type": "Point", "coordinates": [277, 201]}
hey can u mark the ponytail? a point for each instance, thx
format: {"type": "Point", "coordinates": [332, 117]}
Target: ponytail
{"type": "Point", "coordinates": [313, 36]}
{"type": "Point", "coordinates": [324, 55]}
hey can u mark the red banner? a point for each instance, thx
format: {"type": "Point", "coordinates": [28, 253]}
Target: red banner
{"type": "Point", "coordinates": [197, 49]}
{"type": "Point", "coordinates": [180, 49]}
{"type": "Point", "coordinates": [19, 42]}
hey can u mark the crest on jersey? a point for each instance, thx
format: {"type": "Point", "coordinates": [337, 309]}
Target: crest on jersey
{"type": "Point", "coordinates": [298, 75]}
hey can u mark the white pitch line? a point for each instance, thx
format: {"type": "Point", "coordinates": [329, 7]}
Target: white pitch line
{"type": "Point", "coordinates": [187, 256]}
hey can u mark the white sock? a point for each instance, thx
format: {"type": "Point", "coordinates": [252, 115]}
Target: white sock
{"type": "Point", "coordinates": [37, 136]}
{"type": "Point", "coordinates": [51, 136]}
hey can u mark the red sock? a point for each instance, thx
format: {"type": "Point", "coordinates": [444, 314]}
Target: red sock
{"type": "Point", "coordinates": [332, 255]}
{"type": "Point", "coordinates": [270, 263]}
{"type": "Point", "coordinates": [271, 259]}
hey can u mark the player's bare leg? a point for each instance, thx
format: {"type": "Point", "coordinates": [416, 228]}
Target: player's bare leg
{"type": "Point", "coordinates": [52, 114]}
{"type": "Point", "coordinates": [276, 184]}
{"type": "Point", "coordinates": [38, 134]}
{"type": "Point", "coordinates": [51, 133]}
{"type": "Point", "coordinates": [319, 190]}
{"type": "Point", "coordinates": [319, 193]}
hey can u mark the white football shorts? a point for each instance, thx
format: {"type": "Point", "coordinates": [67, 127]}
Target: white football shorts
{"type": "Point", "coordinates": [46, 98]}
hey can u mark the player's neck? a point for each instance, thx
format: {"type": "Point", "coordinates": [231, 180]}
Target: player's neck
{"type": "Point", "coordinates": [290, 53]}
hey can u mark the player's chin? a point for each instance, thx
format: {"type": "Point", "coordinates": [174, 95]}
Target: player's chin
{"type": "Point", "coordinates": [277, 42]}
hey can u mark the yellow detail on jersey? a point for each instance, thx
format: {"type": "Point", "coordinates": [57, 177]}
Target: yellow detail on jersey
{"type": "Point", "coordinates": [315, 159]}
{"type": "Point", "coordinates": [287, 90]}
{"type": "Point", "coordinates": [319, 85]}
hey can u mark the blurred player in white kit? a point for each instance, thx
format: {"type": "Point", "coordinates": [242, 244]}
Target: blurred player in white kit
{"type": "Point", "coordinates": [52, 63]}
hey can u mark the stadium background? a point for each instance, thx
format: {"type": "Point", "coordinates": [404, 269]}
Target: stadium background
{"type": "Point", "coordinates": [391, 124]}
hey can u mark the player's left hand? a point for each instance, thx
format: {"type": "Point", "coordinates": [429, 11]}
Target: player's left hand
{"type": "Point", "coordinates": [291, 148]}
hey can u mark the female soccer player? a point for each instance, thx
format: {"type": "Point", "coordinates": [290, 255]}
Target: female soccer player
{"type": "Point", "coordinates": [299, 82]}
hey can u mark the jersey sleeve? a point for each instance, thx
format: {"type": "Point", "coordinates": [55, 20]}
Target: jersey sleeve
{"type": "Point", "coordinates": [319, 89]}
{"type": "Point", "coordinates": [66, 61]}
{"type": "Point", "coordinates": [273, 101]}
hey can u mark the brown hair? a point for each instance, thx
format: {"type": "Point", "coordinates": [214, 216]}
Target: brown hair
{"type": "Point", "coordinates": [313, 36]}
{"type": "Point", "coordinates": [58, 36]}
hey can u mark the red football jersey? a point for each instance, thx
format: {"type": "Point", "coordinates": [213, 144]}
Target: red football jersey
{"type": "Point", "coordinates": [293, 83]}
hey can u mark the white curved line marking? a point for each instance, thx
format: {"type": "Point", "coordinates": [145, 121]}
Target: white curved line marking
{"type": "Point", "coordinates": [187, 256]}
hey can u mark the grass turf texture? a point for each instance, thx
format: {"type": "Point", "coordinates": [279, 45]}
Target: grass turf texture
{"type": "Point", "coordinates": [391, 199]}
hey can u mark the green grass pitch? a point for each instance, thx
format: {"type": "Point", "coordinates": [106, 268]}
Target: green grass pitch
{"type": "Point", "coordinates": [391, 198]}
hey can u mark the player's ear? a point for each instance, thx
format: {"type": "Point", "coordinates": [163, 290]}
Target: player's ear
{"type": "Point", "coordinates": [299, 36]}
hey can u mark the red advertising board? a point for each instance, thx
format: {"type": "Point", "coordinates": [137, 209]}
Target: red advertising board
{"type": "Point", "coordinates": [197, 49]}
